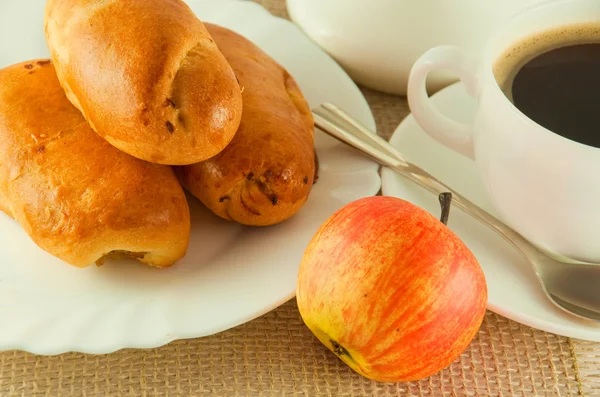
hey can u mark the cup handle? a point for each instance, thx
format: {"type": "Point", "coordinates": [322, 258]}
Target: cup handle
{"type": "Point", "coordinates": [451, 133]}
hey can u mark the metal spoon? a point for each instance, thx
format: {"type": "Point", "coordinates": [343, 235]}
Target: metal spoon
{"type": "Point", "coordinates": [571, 285]}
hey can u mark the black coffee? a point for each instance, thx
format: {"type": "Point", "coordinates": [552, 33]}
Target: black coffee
{"type": "Point", "coordinates": [554, 79]}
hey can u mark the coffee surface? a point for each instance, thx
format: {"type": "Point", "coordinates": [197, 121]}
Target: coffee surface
{"type": "Point", "coordinates": [554, 79]}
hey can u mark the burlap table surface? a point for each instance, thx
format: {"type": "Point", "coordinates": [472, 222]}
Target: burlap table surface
{"type": "Point", "coordinates": [276, 355]}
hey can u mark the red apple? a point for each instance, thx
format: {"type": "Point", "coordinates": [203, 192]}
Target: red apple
{"type": "Point", "coordinates": [391, 290]}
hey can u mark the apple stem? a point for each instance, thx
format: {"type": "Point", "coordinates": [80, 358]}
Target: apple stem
{"type": "Point", "coordinates": [445, 201]}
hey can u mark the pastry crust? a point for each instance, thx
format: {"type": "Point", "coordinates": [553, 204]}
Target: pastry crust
{"type": "Point", "coordinates": [146, 75]}
{"type": "Point", "coordinates": [266, 173]}
{"type": "Point", "coordinates": [75, 195]}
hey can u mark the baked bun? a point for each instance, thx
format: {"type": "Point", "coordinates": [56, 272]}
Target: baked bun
{"type": "Point", "coordinates": [266, 174]}
{"type": "Point", "coordinates": [75, 195]}
{"type": "Point", "coordinates": [146, 75]}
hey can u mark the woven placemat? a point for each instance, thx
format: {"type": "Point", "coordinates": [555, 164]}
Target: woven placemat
{"type": "Point", "coordinates": [276, 355]}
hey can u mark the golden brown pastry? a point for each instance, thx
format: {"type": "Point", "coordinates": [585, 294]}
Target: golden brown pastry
{"type": "Point", "coordinates": [266, 174]}
{"type": "Point", "coordinates": [76, 196]}
{"type": "Point", "coordinates": [146, 75]}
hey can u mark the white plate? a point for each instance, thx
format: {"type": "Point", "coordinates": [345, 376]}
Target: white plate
{"type": "Point", "coordinates": [230, 275]}
{"type": "Point", "coordinates": [514, 291]}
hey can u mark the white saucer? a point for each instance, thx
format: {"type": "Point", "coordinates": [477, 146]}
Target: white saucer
{"type": "Point", "coordinates": [514, 291]}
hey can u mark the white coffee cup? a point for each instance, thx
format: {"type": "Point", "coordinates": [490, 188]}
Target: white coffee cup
{"type": "Point", "coordinates": [545, 186]}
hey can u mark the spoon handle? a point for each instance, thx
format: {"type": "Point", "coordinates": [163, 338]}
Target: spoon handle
{"type": "Point", "coordinates": [341, 126]}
